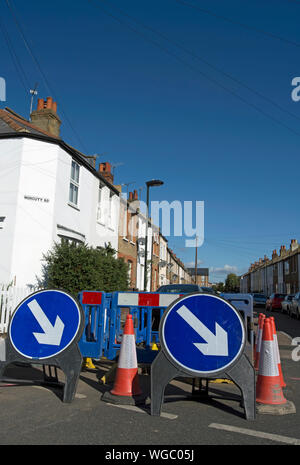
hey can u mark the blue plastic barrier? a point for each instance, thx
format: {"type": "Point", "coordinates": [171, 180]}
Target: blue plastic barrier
{"type": "Point", "coordinates": [95, 305]}
{"type": "Point", "coordinates": [146, 308]}
{"type": "Point", "coordinates": [244, 303]}
{"type": "Point", "coordinates": [105, 315]}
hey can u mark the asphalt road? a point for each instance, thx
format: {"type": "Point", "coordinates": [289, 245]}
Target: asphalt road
{"type": "Point", "coordinates": [35, 415]}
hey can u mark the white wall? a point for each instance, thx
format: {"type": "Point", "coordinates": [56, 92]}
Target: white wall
{"type": "Point", "coordinates": [34, 210]}
{"type": "Point", "coordinates": [269, 272]}
{"type": "Point", "coordinates": [280, 277]}
{"type": "Point", "coordinates": [181, 274]}
{"type": "Point", "coordinates": [243, 284]}
{"type": "Point", "coordinates": [10, 165]}
{"type": "Point", "coordinates": [140, 266]}
{"type": "Point", "coordinates": [163, 258]}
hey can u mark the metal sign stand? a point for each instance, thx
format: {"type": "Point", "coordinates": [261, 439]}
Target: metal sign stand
{"type": "Point", "coordinates": [183, 319]}
{"type": "Point", "coordinates": [69, 361]}
{"type": "Point", "coordinates": [163, 371]}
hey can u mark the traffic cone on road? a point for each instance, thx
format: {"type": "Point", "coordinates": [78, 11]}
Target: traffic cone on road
{"type": "Point", "coordinates": [268, 385]}
{"type": "Point", "coordinates": [126, 389]}
{"type": "Point", "coordinates": [277, 353]}
{"type": "Point", "coordinates": [154, 346]}
{"type": "Point", "coordinates": [261, 320]}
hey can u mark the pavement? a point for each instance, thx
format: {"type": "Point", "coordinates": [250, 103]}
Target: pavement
{"type": "Point", "coordinates": [36, 415]}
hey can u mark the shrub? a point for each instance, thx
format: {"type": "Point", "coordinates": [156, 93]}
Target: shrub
{"type": "Point", "coordinates": [74, 268]}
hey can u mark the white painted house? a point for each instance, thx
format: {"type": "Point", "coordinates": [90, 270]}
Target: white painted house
{"type": "Point", "coordinates": [140, 267]}
{"type": "Point", "coordinates": [48, 192]}
{"type": "Point", "coordinates": [163, 262]}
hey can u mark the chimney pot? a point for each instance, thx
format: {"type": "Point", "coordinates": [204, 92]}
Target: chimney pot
{"type": "Point", "coordinates": [49, 103]}
{"type": "Point", "coordinates": [105, 167]}
{"type": "Point", "coordinates": [105, 170]}
{"type": "Point", "coordinates": [40, 104]}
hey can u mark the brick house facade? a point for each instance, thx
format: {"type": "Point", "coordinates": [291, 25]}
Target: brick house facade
{"type": "Point", "coordinates": [278, 274]}
{"type": "Point", "coordinates": [127, 240]}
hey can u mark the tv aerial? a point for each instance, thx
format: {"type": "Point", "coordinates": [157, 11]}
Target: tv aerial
{"type": "Point", "coordinates": [33, 92]}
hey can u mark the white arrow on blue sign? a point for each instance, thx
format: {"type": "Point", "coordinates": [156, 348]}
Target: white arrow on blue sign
{"type": "Point", "coordinates": [44, 324]}
{"type": "Point", "coordinates": [202, 333]}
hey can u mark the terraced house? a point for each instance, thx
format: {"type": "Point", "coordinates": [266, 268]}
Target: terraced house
{"type": "Point", "coordinates": [280, 273]}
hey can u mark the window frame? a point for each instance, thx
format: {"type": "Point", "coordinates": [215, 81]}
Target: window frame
{"type": "Point", "coordinates": [70, 240]}
{"type": "Point", "coordinates": [74, 182]}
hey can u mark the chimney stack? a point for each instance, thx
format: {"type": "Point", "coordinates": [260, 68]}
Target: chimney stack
{"type": "Point", "coordinates": [294, 244]}
{"type": "Point", "coordinates": [274, 254]}
{"type": "Point", "coordinates": [45, 116]}
{"type": "Point", "coordinates": [282, 250]}
{"type": "Point", "coordinates": [105, 171]}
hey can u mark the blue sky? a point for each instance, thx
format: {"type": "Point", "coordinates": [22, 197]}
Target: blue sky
{"type": "Point", "coordinates": [162, 111]}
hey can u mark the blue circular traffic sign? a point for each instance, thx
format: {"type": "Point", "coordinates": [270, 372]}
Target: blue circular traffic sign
{"type": "Point", "coordinates": [45, 324]}
{"type": "Point", "coordinates": [202, 333]}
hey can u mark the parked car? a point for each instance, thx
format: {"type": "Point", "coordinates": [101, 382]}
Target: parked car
{"type": "Point", "coordinates": [259, 300]}
{"type": "Point", "coordinates": [285, 304]}
{"type": "Point", "coordinates": [179, 288]}
{"type": "Point", "coordinates": [295, 306]}
{"type": "Point", "coordinates": [274, 301]}
{"type": "Point", "coordinates": [208, 290]}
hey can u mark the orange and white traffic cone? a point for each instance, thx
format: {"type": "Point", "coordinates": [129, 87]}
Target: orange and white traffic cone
{"type": "Point", "coordinates": [268, 385]}
{"type": "Point", "coordinates": [126, 389]}
{"type": "Point", "coordinates": [277, 353]}
{"type": "Point", "coordinates": [259, 339]}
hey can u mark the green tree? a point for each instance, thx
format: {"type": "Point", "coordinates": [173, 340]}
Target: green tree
{"type": "Point", "coordinates": [80, 267]}
{"type": "Point", "coordinates": [232, 283]}
{"type": "Point", "coordinates": [219, 287]}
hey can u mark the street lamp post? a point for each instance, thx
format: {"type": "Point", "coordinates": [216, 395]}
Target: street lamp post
{"type": "Point", "coordinates": [152, 183]}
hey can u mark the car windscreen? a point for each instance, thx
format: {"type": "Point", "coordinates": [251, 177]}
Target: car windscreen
{"type": "Point", "coordinates": [279, 296]}
{"type": "Point", "coordinates": [208, 290]}
{"type": "Point", "coordinates": [177, 289]}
